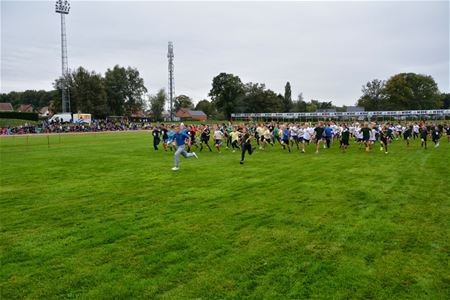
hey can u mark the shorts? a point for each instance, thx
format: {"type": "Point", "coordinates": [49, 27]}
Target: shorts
{"type": "Point", "coordinates": [165, 141]}
{"type": "Point", "coordinates": [318, 140]}
{"type": "Point", "coordinates": [204, 139]}
{"type": "Point", "coordinates": [305, 140]}
{"type": "Point", "coordinates": [218, 142]}
{"type": "Point", "coordinates": [345, 142]}
{"type": "Point", "coordinates": [365, 139]}
{"type": "Point", "coordinates": [285, 141]}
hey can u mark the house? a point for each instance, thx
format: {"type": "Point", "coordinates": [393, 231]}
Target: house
{"type": "Point", "coordinates": [187, 114]}
{"type": "Point", "coordinates": [6, 107]}
{"type": "Point", "coordinates": [25, 108]}
{"type": "Point", "coordinates": [44, 112]}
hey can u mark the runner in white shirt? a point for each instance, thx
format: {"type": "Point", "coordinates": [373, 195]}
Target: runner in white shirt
{"type": "Point", "coordinates": [306, 137]}
{"type": "Point", "coordinates": [218, 135]}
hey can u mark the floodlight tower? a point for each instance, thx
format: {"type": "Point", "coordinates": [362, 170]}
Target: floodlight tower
{"type": "Point", "coordinates": [171, 80]}
{"type": "Point", "coordinates": [62, 7]}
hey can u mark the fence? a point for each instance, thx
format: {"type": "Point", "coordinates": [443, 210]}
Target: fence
{"type": "Point", "coordinates": [360, 115]}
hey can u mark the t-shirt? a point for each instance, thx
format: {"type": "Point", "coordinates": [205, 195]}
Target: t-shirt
{"type": "Point", "coordinates": [245, 138]}
{"type": "Point", "coordinates": [307, 134]}
{"type": "Point", "coordinates": [328, 131]}
{"type": "Point", "coordinates": [424, 133]}
{"type": "Point", "coordinates": [365, 132]}
{"type": "Point", "coordinates": [170, 135]}
{"type": "Point", "coordinates": [285, 134]}
{"type": "Point", "coordinates": [205, 133]}
{"type": "Point", "coordinates": [345, 134]}
{"type": "Point", "coordinates": [180, 138]}
{"type": "Point", "coordinates": [218, 135]}
{"type": "Point", "coordinates": [319, 132]}
{"type": "Point", "coordinates": [235, 136]}
{"type": "Point", "coordinates": [164, 133]}
{"type": "Point", "coordinates": [156, 133]}
{"type": "Point", "coordinates": [275, 132]}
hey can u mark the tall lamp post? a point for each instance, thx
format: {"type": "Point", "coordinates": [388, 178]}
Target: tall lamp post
{"type": "Point", "coordinates": [62, 7]}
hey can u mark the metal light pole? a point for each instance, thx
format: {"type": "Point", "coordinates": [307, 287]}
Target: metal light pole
{"type": "Point", "coordinates": [62, 7]}
{"type": "Point", "coordinates": [171, 79]}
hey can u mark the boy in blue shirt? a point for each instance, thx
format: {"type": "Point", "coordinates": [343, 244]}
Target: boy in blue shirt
{"type": "Point", "coordinates": [180, 138]}
{"type": "Point", "coordinates": [328, 132]}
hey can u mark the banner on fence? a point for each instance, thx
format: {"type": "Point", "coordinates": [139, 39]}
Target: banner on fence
{"type": "Point", "coordinates": [433, 112]}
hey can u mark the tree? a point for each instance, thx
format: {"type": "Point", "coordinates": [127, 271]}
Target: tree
{"type": "Point", "coordinates": [116, 85]}
{"type": "Point", "coordinates": [412, 91]}
{"type": "Point", "coordinates": [225, 91]}
{"type": "Point", "coordinates": [299, 105]}
{"type": "Point", "coordinates": [287, 100]}
{"type": "Point", "coordinates": [125, 90]}
{"type": "Point", "coordinates": [37, 99]}
{"type": "Point", "coordinates": [403, 91]}
{"type": "Point", "coordinates": [373, 97]}
{"type": "Point", "coordinates": [87, 92]}
{"type": "Point", "coordinates": [206, 106]}
{"type": "Point", "coordinates": [134, 96]}
{"type": "Point", "coordinates": [445, 98]}
{"type": "Point", "coordinates": [258, 99]}
{"type": "Point", "coordinates": [182, 101]}
{"type": "Point", "coordinates": [157, 103]}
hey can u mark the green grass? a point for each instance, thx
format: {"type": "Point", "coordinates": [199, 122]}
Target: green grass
{"type": "Point", "coordinates": [15, 122]}
{"type": "Point", "coordinates": [103, 216]}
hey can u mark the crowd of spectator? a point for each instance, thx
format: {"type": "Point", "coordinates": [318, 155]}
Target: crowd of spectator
{"type": "Point", "coordinates": [57, 127]}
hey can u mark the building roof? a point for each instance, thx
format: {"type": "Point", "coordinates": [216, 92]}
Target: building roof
{"type": "Point", "coordinates": [6, 107]}
{"type": "Point", "coordinates": [43, 110]}
{"type": "Point", "coordinates": [196, 113]}
{"type": "Point", "coordinates": [25, 108]}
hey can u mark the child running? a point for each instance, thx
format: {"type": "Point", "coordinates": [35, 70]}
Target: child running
{"type": "Point", "coordinates": [246, 144]}
{"type": "Point", "coordinates": [366, 136]}
{"type": "Point", "coordinates": [180, 139]}
{"type": "Point", "coordinates": [384, 136]}
{"type": "Point", "coordinates": [345, 137]}
{"type": "Point", "coordinates": [319, 135]}
{"type": "Point", "coordinates": [218, 135]}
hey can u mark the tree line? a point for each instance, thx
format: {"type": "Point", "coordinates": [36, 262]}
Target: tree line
{"type": "Point", "coordinates": [121, 92]}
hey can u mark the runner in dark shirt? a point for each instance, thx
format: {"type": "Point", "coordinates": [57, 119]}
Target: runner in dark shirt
{"type": "Point", "coordinates": [319, 135]}
{"type": "Point", "coordinates": [366, 136]}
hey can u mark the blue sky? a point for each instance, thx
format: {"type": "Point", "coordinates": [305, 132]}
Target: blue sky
{"type": "Point", "coordinates": [327, 50]}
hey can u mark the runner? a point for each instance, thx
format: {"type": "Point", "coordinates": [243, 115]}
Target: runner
{"type": "Point", "coordinates": [204, 138]}
{"type": "Point", "coordinates": [319, 135]}
{"type": "Point", "coordinates": [423, 136]}
{"type": "Point", "coordinates": [246, 144]}
{"type": "Point", "coordinates": [218, 135]}
{"type": "Point", "coordinates": [345, 137]}
{"type": "Point", "coordinates": [180, 139]}
{"type": "Point", "coordinates": [366, 136]}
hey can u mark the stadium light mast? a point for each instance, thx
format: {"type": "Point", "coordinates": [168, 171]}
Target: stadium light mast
{"type": "Point", "coordinates": [171, 79]}
{"type": "Point", "coordinates": [62, 7]}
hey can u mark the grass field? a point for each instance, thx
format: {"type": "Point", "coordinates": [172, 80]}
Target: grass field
{"type": "Point", "coordinates": [16, 122]}
{"type": "Point", "coordinates": [102, 216]}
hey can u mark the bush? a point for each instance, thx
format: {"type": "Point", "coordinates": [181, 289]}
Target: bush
{"type": "Point", "coordinates": [19, 115]}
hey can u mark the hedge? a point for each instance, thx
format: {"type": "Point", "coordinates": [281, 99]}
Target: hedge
{"type": "Point", "coordinates": [19, 115]}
